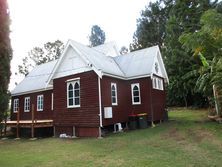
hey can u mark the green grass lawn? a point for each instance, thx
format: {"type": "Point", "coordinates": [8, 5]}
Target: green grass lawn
{"type": "Point", "coordinates": [188, 139]}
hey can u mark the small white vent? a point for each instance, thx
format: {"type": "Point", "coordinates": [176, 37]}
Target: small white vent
{"type": "Point", "coordinates": [108, 112]}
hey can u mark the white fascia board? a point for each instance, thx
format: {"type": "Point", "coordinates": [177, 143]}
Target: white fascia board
{"type": "Point", "coordinates": [163, 66]}
{"type": "Point", "coordinates": [32, 91]}
{"type": "Point", "coordinates": [139, 76]}
{"type": "Point", "coordinates": [126, 78]}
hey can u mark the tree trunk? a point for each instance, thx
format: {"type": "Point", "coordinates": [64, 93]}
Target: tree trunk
{"type": "Point", "coordinates": [5, 127]}
{"type": "Point", "coordinates": [185, 101]}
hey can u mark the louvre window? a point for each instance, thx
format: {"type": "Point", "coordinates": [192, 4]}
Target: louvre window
{"type": "Point", "coordinates": [157, 83]}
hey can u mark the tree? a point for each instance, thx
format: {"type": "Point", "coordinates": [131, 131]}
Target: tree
{"type": "Point", "coordinates": [5, 58]}
{"type": "Point", "coordinates": [162, 23]}
{"type": "Point", "coordinates": [206, 44]}
{"type": "Point", "coordinates": [39, 55]}
{"type": "Point", "coordinates": [123, 50]}
{"type": "Point", "coordinates": [151, 26]}
{"type": "Point", "coordinates": [97, 36]}
{"type": "Point", "coordinates": [184, 16]}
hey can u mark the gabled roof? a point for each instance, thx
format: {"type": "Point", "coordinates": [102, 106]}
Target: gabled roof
{"type": "Point", "coordinates": [99, 60]}
{"type": "Point", "coordinates": [137, 63]}
{"type": "Point", "coordinates": [36, 80]}
{"type": "Point", "coordinates": [133, 65]}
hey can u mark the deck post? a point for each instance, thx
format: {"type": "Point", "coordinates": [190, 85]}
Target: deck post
{"type": "Point", "coordinates": [17, 124]}
{"type": "Point", "coordinates": [33, 130]}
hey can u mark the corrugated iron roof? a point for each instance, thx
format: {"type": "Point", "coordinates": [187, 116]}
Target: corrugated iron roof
{"type": "Point", "coordinates": [134, 64]}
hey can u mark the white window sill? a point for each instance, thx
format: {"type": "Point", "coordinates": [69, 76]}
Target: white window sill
{"type": "Point", "coordinates": [157, 89]}
{"type": "Point", "coordinates": [40, 110]}
{"type": "Point", "coordinates": [136, 103]}
{"type": "Point", "coordinates": [77, 106]}
{"type": "Point", "coordinates": [26, 111]}
{"type": "Point", "coordinates": [114, 104]}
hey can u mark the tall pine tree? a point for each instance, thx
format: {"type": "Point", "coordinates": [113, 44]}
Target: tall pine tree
{"type": "Point", "coordinates": [5, 57]}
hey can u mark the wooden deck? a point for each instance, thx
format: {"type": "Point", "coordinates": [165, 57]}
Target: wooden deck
{"type": "Point", "coordinates": [33, 123]}
{"type": "Point", "coordinates": [29, 123]}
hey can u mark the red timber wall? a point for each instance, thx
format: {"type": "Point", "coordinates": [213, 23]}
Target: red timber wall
{"type": "Point", "coordinates": [47, 112]}
{"type": "Point", "coordinates": [84, 119]}
{"type": "Point", "coordinates": [159, 102]}
{"type": "Point", "coordinates": [124, 98]}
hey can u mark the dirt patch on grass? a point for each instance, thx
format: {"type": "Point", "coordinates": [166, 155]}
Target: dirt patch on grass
{"type": "Point", "coordinates": [199, 135]}
{"type": "Point", "coordinates": [175, 134]}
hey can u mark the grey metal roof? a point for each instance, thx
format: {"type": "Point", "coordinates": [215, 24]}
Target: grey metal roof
{"type": "Point", "coordinates": [36, 79]}
{"type": "Point", "coordinates": [137, 63]}
{"type": "Point", "coordinates": [134, 64]}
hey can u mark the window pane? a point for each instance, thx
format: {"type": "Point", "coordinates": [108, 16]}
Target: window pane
{"type": "Point", "coordinates": [76, 85]}
{"type": "Point", "coordinates": [70, 87]}
{"type": "Point", "coordinates": [76, 93]}
{"type": "Point", "coordinates": [136, 99]}
{"type": "Point", "coordinates": [70, 94]}
{"type": "Point", "coordinates": [113, 88]}
{"type": "Point", "coordinates": [136, 93]}
{"type": "Point", "coordinates": [76, 101]}
{"type": "Point", "coordinates": [113, 93]}
{"type": "Point", "coordinates": [113, 100]}
{"type": "Point", "coordinates": [70, 102]}
{"type": "Point", "coordinates": [135, 88]}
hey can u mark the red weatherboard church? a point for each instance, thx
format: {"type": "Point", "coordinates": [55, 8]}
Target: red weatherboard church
{"type": "Point", "coordinates": [88, 89]}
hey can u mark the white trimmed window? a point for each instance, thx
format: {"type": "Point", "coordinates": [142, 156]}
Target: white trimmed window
{"type": "Point", "coordinates": [114, 93]}
{"type": "Point", "coordinates": [135, 90]}
{"type": "Point", "coordinates": [27, 104]}
{"type": "Point", "coordinates": [73, 94]}
{"type": "Point", "coordinates": [40, 103]}
{"type": "Point", "coordinates": [157, 83]}
{"type": "Point", "coordinates": [16, 105]}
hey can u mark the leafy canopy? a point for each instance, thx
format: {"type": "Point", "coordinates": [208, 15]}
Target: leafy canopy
{"type": "Point", "coordinates": [39, 55]}
{"type": "Point", "coordinates": [206, 44]}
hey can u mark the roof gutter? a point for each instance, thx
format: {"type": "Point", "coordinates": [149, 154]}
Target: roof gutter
{"type": "Point", "coordinates": [32, 91]}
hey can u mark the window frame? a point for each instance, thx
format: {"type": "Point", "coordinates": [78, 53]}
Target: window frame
{"type": "Point", "coordinates": [15, 105]}
{"type": "Point", "coordinates": [27, 107]}
{"type": "Point", "coordinates": [41, 99]}
{"type": "Point", "coordinates": [73, 82]}
{"type": "Point", "coordinates": [132, 91]}
{"type": "Point", "coordinates": [115, 86]}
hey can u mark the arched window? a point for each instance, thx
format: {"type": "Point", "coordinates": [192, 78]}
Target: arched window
{"type": "Point", "coordinates": [113, 93]}
{"type": "Point", "coordinates": [135, 89]}
{"type": "Point", "coordinates": [73, 94]}
{"type": "Point", "coordinates": [70, 94]}
{"type": "Point", "coordinates": [77, 93]}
